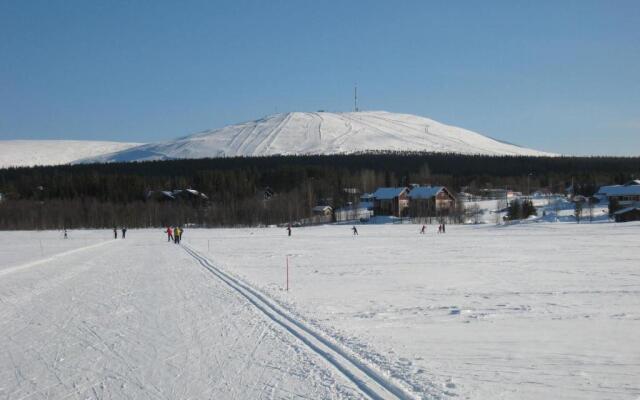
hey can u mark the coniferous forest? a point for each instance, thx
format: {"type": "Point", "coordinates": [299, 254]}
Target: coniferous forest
{"type": "Point", "coordinates": [269, 190]}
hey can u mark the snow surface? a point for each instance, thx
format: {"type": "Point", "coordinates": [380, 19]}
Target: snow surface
{"type": "Point", "coordinates": [483, 312]}
{"type": "Point", "coordinates": [27, 153]}
{"type": "Point", "coordinates": [532, 311]}
{"type": "Point", "coordinates": [323, 133]}
{"type": "Point", "coordinates": [141, 319]}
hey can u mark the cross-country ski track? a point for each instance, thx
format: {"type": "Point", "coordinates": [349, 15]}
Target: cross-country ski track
{"type": "Point", "coordinates": [389, 314]}
{"type": "Point", "coordinates": [370, 382]}
{"type": "Point", "coordinates": [141, 318]}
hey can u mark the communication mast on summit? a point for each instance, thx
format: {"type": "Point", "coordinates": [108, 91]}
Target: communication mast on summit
{"type": "Point", "coordinates": [355, 98]}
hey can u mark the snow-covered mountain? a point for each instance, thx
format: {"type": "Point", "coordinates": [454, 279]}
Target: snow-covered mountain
{"type": "Point", "coordinates": [27, 153]}
{"type": "Point", "coordinates": [322, 133]}
{"type": "Point", "coordinates": [290, 133]}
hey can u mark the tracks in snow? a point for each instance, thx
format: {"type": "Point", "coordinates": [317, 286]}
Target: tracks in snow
{"type": "Point", "coordinates": [369, 381]}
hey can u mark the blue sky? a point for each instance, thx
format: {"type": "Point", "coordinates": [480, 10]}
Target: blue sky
{"type": "Point", "coordinates": [561, 76]}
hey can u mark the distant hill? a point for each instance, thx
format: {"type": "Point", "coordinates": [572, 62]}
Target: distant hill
{"type": "Point", "coordinates": [28, 153]}
{"type": "Point", "coordinates": [323, 133]}
{"type": "Point", "coordinates": [295, 133]}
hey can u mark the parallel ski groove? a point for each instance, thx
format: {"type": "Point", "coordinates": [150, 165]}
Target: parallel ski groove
{"type": "Point", "coordinates": [369, 381]}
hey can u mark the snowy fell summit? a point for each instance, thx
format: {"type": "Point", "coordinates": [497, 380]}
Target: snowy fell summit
{"type": "Point", "coordinates": [322, 133]}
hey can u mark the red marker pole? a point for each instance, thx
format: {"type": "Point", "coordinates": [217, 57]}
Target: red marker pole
{"type": "Point", "coordinates": [287, 272]}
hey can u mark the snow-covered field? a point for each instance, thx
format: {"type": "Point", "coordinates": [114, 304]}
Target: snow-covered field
{"type": "Point", "coordinates": [529, 311]}
{"type": "Point", "coordinates": [556, 208]}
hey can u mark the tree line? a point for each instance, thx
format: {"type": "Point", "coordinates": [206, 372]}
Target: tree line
{"type": "Point", "coordinates": [270, 190]}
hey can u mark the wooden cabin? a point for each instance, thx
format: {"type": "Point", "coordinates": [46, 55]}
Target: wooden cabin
{"type": "Point", "coordinates": [431, 200]}
{"type": "Point", "coordinates": [391, 201]}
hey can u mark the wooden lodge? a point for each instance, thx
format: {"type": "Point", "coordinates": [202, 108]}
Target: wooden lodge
{"type": "Point", "coordinates": [392, 201]}
{"type": "Point", "coordinates": [431, 200]}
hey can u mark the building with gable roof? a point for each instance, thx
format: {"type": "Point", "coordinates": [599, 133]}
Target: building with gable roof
{"type": "Point", "coordinates": [626, 195]}
{"type": "Point", "coordinates": [431, 200]}
{"type": "Point", "coordinates": [391, 201]}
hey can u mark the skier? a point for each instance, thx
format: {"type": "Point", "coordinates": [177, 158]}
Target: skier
{"type": "Point", "coordinates": [289, 230]}
{"type": "Point", "coordinates": [65, 234]}
{"type": "Point", "coordinates": [124, 232]}
{"type": "Point", "coordinates": [181, 233]}
{"type": "Point", "coordinates": [176, 235]}
{"type": "Point", "coordinates": [423, 229]}
{"type": "Point", "coordinates": [169, 233]}
{"type": "Point", "coordinates": [355, 231]}
{"type": "Point", "coordinates": [443, 228]}
{"type": "Point", "coordinates": [115, 233]}
{"type": "Point", "coordinates": [440, 228]}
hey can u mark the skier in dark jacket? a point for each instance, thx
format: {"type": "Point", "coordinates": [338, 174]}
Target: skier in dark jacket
{"type": "Point", "coordinates": [355, 231]}
{"type": "Point", "coordinates": [115, 233]}
{"type": "Point", "coordinates": [289, 230]}
{"type": "Point", "coordinates": [124, 232]}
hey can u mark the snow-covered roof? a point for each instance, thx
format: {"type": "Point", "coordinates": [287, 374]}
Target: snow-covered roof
{"type": "Point", "coordinates": [628, 189]}
{"type": "Point", "coordinates": [388, 193]}
{"type": "Point", "coordinates": [174, 194]}
{"type": "Point", "coordinates": [425, 192]}
{"type": "Point", "coordinates": [626, 210]}
{"type": "Point", "coordinates": [197, 193]}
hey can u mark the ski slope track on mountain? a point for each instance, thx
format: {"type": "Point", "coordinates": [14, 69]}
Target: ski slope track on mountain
{"type": "Point", "coordinates": [28, 153]}
{"type": "Point", "coordinates": [323, 133]}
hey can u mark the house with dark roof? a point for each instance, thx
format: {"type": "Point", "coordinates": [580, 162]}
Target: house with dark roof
{"type": "Point", "coordinates": [391, 201]}
{"type": "Point", "coordinates": [431, 200]}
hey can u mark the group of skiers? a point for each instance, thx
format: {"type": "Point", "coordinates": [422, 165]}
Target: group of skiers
{"type": "Point", "coordinates": [423, 230]}
{"type": "Point", "coordinates": [115, 232]}
{"type": "Point", "coordinates": [441, 229]}
{"type": "Point", "coordinates": [353, 229]}
{"type": "Point", "coordinates": [174, 234]}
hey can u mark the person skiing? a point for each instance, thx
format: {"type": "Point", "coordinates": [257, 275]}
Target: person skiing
{"type": "Point", "coordinates": [443, 228]}
{"type": "Point", "coordinates": [169, 233]}
{"type": "Point", "coordinates": [124, 232]}
{"type": "Point", "coordinates": [176, 235]}
{"type": "Point", "coordinates": [355, 231]}
{"type": "Point", "coordinates": [423, 229]}
{"type": "Point", "coordinates": [440, 228]}
{"type": "Point", "coordinates": [181, 233]}
{"type": "Point", "coordinates": [115, 233]}
{"type": "Point", "coordinates": [65, 234]}
{"type": "Point", "coordinates": [289, 230]}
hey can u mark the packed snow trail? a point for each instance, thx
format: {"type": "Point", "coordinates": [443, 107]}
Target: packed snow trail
{"type": "Point", "coordinates": [13, 269]}
{"type": "Point", "coordinates": [372, 383]}
{"type": "Point", "coordinates": [141, 319]}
